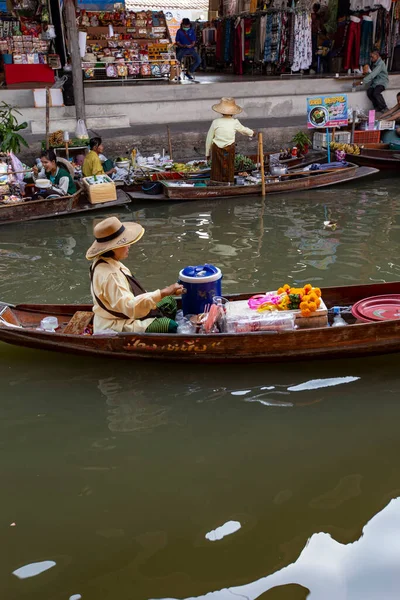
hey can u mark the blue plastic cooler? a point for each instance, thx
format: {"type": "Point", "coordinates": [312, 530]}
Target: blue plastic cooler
{"type": "Point", "coordinates": [202, 283]}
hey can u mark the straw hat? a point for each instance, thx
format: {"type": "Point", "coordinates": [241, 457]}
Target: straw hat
{"type": "Point", "coordinates": [111, 234]}
{"type": "Point", "coordinates": [227, 106]}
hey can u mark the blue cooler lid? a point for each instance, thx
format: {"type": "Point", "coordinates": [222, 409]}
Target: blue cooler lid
{"type": "Point", "coordinates": [200, 274]}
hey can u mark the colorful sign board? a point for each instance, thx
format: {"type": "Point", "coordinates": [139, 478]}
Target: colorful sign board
{"type": "Point", "coordinates": [327, 111]}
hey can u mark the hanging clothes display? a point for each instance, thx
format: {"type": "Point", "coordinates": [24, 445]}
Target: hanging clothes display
{"type": "Point", "coordinates": [268, 39]}
{"type": "Point", "coordinates": [302, 41]}
{"type": "Point", "coordinates": [227, 45]}
{"type": "Point", "coordinates": [382, 30]}
{"type": "Point", "coordinates": [284, 40]}
{"type": "Point", "coordinates": [352, 49]}
{"type": "Point", "coordinates": [237, 57]}
{"type": "Point", "coordinates": [366, 40]}
{"type": "Point", "coordinates": [275, 37]}
{"type": "Point", "coordinates": [249, 38]}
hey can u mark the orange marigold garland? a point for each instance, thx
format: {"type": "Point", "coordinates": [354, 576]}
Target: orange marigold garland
{"type": "Point", "coordinates": [307, 299]}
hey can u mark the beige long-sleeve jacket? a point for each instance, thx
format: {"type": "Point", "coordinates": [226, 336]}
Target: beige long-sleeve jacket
{"type": "Point", "coordinates": [223, 132]}
{"type": "Point", "coordinates": [112, 288]}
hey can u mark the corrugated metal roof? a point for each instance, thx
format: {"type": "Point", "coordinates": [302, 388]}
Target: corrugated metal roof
{"type": "Point", "coordinates": [166, 5]}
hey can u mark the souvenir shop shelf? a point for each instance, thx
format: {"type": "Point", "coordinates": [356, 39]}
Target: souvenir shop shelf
{"type": "Point", "coordinates": [123, 46]}
{"type": "Point", "coordinates": [25, 41]}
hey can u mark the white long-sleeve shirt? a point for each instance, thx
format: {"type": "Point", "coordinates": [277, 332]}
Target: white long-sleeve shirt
{"type": "Point", "coordinates": [223, 132]}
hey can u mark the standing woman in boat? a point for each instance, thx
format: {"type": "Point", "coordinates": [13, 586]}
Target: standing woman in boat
{"type": "Point", "coordinates": [120, 302]}
{"type": "Point", "coordinates": [220, 143]}
{"type": "Point", "coordinates": [61, 179]}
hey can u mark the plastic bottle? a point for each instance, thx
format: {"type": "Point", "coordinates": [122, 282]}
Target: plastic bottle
{"type": "Point", "coordinates": [338, 320]}
{"type": "Point", "coordinates": [294, 151]}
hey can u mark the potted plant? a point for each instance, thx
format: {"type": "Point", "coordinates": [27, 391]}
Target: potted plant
{"type": "Point", "coordinates": [10, 139]}
{"type": "Point", "coordinates": [302, 141]}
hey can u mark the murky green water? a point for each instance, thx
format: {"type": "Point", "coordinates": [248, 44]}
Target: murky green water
{"type": "Point", "coordinates": [113, 473]}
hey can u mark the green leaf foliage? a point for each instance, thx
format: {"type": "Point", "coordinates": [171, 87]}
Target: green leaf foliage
{"type": "Point", "coordinates": [10, 140]}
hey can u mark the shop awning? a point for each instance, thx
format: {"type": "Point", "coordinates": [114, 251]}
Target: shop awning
{"type": "Point", "coordinates": [167, 5]}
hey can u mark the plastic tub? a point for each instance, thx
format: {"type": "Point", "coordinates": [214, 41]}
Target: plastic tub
{"type": "Point", "coordinates": [49, 324]}
{"type": "Point", "coordinates": [202, 283]}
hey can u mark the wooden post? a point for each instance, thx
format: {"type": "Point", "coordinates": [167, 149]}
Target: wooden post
{"type": "Point", "coordinates": [353, 127]}
{"type": "Point", "coordinates": [261, 152]}
{"type": "Point", "coordinates": [169, 142]}
{"type": "Point", "coordinates": [73, 48]}
{"type": "Point", "coordinates": [47, 117]}
{"type": "Point", "coordinates": [67, 150]}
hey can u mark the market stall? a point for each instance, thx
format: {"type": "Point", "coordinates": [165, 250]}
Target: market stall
{"type": "Point", "coordinates": [279, 37]}
{"type": "Point", "coordinates": [122, 46]}
{"type": "Point", "coordinates": [26, 44]}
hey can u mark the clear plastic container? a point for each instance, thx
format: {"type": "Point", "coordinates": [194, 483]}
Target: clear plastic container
{"type": "Point", "coordinates": [49, 324]}
{"type": "Point", "coordinates": [268, 321]}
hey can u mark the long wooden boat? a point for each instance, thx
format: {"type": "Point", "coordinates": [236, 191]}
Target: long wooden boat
{"type": "Point", "coordinates": [299, 181]}
{"type": "Point", "coordinates": [18, 326]}
{"type": "Point", "coordinates": [55, 207]}
{"type": "Point", "coordinates": [384, 160]}
{"type": "Point", "coordinates": [313, 156]}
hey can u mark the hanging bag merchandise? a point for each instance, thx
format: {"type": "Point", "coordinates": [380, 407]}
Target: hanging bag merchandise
{"type": "Point", "coordinates": [81, 131]}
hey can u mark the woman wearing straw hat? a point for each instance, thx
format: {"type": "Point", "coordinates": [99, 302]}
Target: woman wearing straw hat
{"type": "Point", "coordinates": [220, 143]}
{"type": "Point", "coordinates": [120, 302]}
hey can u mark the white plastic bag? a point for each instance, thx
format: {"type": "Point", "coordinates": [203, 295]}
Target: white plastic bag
{"type": "Point", "coordinates": [81, 131]}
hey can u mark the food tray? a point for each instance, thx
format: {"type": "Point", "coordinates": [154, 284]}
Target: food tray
{"type": "Point", "coordinates": [377, 308]}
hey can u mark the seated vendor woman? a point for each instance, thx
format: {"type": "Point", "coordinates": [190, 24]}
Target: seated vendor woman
{"type": "Point", "coordinates": [120, 301]}
{"type": "Point", "coordinates": [61, 180]}
{"type": "Point", "coordinates": [92, 164]}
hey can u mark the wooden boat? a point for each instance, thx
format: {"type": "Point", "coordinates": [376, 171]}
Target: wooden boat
{"type": "Point", "coordinates": [384, 160]}
{"type": "Point", "coordinates": [313, 156]}
{"type": "Point", "coordinates": [295, 181]}
{"type": "Point", "coordinates": [55, 207]}
{"type": "Point", "coordinates": [18, 326]}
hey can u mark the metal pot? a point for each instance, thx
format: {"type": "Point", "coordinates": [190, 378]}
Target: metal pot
{"type": "Point", "coordinates": [278, 170]}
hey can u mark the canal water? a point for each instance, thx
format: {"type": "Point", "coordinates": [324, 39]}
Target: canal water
{"type": "Point", "coordinates": [134, 481]}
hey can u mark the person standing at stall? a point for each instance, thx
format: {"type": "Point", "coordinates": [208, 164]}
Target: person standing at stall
{"type": "Point", "coordinates": [220, 142]}
{"type": "Point", "coordinates": [378, 80]}
{"type": "Point", "coordinates": [186, 41]}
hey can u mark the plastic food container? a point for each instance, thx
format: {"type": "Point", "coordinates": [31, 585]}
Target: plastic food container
{"type": "Point", "coordinates": [49, 324]}
{"type": "Point", "coordinates": [267, 321]}
{"type": "Point", "coordinates": [202, 283]}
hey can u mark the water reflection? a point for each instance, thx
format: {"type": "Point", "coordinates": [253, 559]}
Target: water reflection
{"type": "Point", "coordinates": [364, 570]}
{"type": "Point", "coordinates": [131, 410]}
{"type": "Point", "coordinates": [33, 569]}
{"type": "Point", "coordinates": [137, 465]}
{"type": "Point", "coordinates": [118, 470]}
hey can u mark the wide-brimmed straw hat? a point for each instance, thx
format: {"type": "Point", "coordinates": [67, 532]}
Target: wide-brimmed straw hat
{"type": "Point", "coordinates": [111, 234]}
{"type": "Point", "coordinates": [227, 106]}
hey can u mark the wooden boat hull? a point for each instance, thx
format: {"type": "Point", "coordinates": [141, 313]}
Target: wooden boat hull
{"type": "Point", "coordinates": [55, 207]}
{"type": "Point", "coordinates": [285, 185]}
{"type": "Point", "coordinates": [314, 156]}
{"type": "Point", "coordinates": [384, 160]}
{"type": "Point", "coordinates": [328, 342]}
